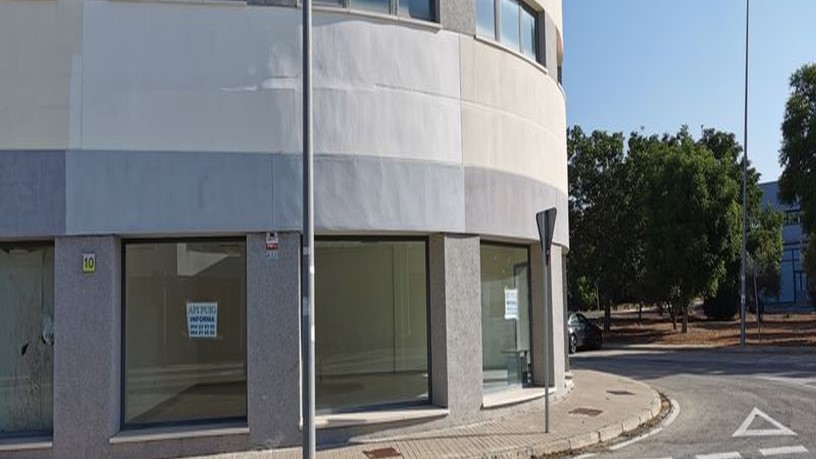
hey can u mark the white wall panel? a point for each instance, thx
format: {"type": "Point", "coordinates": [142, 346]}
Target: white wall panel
{"type": "Point", "coordinates": [513, 115]}
{"type": "Point", "coordinates": [37, 42]}
{"type": "Point", "coordinates": [223, 78]}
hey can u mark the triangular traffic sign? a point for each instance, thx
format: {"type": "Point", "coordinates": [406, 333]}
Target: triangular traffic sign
{"type": "Point", "coordinates": [744, 431]}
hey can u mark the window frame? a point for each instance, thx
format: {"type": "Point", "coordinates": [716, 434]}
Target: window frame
{"type": "Point", "coordinates": [24, 434]}
{"type": "Point", "coordinates": [524, 7]}
{"type": "Point", "coordinates": [226, 420]}
{"type": "Point", "coordinates": [426, 240]}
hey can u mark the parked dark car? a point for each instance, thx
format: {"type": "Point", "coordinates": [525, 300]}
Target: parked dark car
{"type": "Point", "coordinates": [583, 334]}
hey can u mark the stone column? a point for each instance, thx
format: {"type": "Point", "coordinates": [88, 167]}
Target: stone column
{"type": "Point", "coordinates": [549, 338]}
{"type": "Point", "coordinates": [273, 337]}
{"type": "Point", "coordinates": [539, 341]}
{"type": "Point", "coordinates": [458, 16]}
{"type": "Point", "coordinates": [558, 318]}
{"type": "Point", "coordinates": [456, 325]}
{"type": "Point", "coordinates": [87, 346]}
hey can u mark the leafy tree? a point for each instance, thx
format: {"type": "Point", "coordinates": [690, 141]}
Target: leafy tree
{"type": "Point", "coordinates": [601, 216]}
{"type": "Point", "coordinates": [582, 293]}
{"type": "Point", "coordinates": [661, 224]}
{"type": "Point", "coordinates": [798, 157]}
{"type": "Point", "coordinates": [690, 204]}
{"type": "Point", "coordinates": [764, 244]}
{"type": "Point", "coordinates": [765, 253]}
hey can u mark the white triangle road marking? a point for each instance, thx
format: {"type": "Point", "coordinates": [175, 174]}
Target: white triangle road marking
{"type": "Point", "coordinates": [779, 429]}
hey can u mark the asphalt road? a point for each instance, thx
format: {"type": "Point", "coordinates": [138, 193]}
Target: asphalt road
{"type": "Point", "coordinates": [716, 392]}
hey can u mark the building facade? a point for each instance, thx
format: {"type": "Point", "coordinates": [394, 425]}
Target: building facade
{"type": "Point", "coordinates": [150, 209]}
{"type": "Point", "coordinates": [793, 294]}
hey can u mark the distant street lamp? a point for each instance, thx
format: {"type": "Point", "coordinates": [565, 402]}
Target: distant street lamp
{"type": "Point", "coordinates": [744, 185]}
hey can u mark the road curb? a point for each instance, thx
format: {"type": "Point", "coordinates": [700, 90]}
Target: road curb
{"type": "Point", "coordinates": [587, 439]}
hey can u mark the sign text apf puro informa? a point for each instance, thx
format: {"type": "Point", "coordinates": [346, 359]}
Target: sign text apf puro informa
{"type": "Point", "coordinates": [202, 319]}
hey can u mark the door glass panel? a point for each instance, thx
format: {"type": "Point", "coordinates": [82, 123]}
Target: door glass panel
{"type": "Point", "coordinates": [26, 338]}
{"type": "Point", "coordinates": [505, 316]}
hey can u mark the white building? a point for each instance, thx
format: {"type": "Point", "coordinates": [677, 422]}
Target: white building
{"type": "Point", "coordinates": [146, 149]}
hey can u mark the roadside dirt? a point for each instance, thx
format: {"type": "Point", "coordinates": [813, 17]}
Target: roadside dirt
{"type": "Point", "coordinates": [776, 330]}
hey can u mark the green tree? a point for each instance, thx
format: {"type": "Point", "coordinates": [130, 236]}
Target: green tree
{"type": "Point", "coordinates": [765, 249]}
{"type": "Point", "coordinates": [690, 204]}
{"type": "Point", "coordinates": [602, 215]}
{"type": "Point", "coordinates": [764, 244]}
{"type": "Point", "coordinates": [798, 157]}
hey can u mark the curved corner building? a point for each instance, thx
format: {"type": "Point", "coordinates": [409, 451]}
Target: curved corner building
{"type": "Point", "coordinates": [150, 214]}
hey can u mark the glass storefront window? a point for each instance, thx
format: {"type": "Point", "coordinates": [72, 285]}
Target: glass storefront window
{"type": "Point", "coordinates": [505, 316]}
{"type": "Point", "coordinates": [370, 323]}
{"type": "Point", "coordinates": [185, 332]}
{"type": "Point", "coordinates": [26, 338]}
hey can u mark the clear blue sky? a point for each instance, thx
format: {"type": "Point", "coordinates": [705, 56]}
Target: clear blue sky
{"type": "Point", "coordinates": [659, 64]}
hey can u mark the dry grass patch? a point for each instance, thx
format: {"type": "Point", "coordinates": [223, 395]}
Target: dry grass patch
{"type": "Point", "coordinates": [776, 330]}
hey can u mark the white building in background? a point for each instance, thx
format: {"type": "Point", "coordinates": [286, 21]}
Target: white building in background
{"type": "Point", "coordinates": [793, 292]}
{"type": "Point", "coordinates": [148, 147]}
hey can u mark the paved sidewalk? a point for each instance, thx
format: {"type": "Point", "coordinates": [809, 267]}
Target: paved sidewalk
{"type": "Point", "coordinates": [600, 407]}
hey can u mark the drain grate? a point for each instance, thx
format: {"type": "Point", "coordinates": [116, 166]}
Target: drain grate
{"type": "Point", "coordinates": [591, 412]}
{"type": "Point", "coordinates": [620, 392]}
{"type": "Point", "coordinates": [382, 453]}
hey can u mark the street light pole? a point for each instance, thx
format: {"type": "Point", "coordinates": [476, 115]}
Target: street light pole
{"type": "Point", "coordinates": [307, 329]}
{"type": "Point", "coordinates": [744, 185]}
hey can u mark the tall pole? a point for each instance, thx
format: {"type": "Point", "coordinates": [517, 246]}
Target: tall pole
{"type": "Point", "coordinates": [546, 226]}
{"type": "Point", "coordinates": [307, 329]}
{"type": "Point", "coordinates": [548, 330]}
{"type": "Point", "coordinates": [756, 301]}
{"type": "Point", "coordinates": [744, 184]}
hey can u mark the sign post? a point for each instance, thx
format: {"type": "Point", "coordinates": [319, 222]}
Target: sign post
{"type": "Point", "coordinates": [546, 226]}
{"type": "Point", "coordinates": [307, 329]}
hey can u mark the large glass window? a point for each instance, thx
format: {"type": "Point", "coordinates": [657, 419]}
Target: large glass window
{"type": "Point", "coordinates": [26, 338]}
{"type": "Point", "coordinates": [486, 18]}
{"type": "Point", "coordinates": [185, 333]}
{"type": "Point", "coordinates": [510, 24]}
{"type": "Point", "coordinates": [528, 33]}
{"type": "Point", "coordinates": [505, 316]}
{"type": "Point", "coordinates": [370, 323]}
{"type": "Point", "coordinates": [516, 22]}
